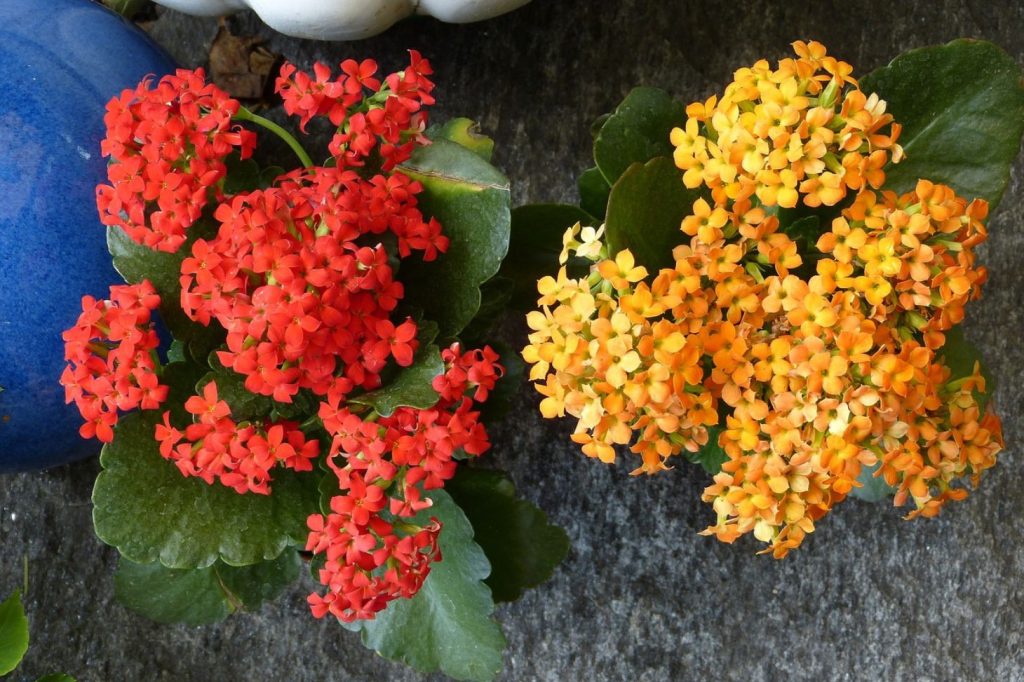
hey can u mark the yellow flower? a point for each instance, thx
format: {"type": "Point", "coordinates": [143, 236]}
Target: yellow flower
{"type": "Point", "coordinates": [622, 271]}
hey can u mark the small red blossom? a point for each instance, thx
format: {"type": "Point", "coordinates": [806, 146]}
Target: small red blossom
{"type": "Point", "coordinates": [388, 464]}
{"type": "Point", "coordinates": [111, 365]}
{"type": "Point", "coordinates": [370, 115]}
{"type": "Point", "coordinates": [167, 144]}
{"type": "Point", "coordinates": [238, 455]}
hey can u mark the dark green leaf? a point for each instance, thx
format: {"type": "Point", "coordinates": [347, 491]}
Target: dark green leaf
{"type": "Point", "coordinates": [466, 132]}
{"type": "Point", "coordinates": [535, 244]}
{"type": "Point", "coordinates": [959, 355]}
{"type": "Point", "coordinates": [711, 457]}
{"type": "Point", "coordinates": [136, 262]}
{"type": "Point", "coordinates": [269, 174]}
{"type": "Point", "coordinates": [13, 633]}
{"type": "Point", "coordinates": [245, 405]}
{"type": "Point", "coordinates": [201, 595]}
{"type": "Point", "coordinates": [804, 232]}
{"type": "Point", "coordinates": [56, 677]}
{"type": "Point", "coordinates": [412, 387]}
{"type": "Point", "coordinates": [645, 210]}
{"type": "Point", "coordinates": [499, 402]}
{"type": "Point", "coordinates": [594, 190]}
{"type": "Point", "coordinates": [243, 176]}
{"type": "Point", "coordinates": [873, 488]}
{"type": "Point", "coordinates": [495, 296]}
{"type": "Point", "coordinates": [176, 353]}
{"type": "Point", "coordinates": [447, 626]}
{"type": "Point", "coordinates": [637, 131]}
{"type": "Point", "coordinates": [595, 127]}
{"type": "Point", "coordinates": [471, 200]}
{"type": "Point", "coordinates": [961, 106]}
{"type": "Point", "coordinates": [303, 404]}
{"type": "Point", "coordinates": [523, 548]}
{"type": "Point", "coordinates": [149, 511]}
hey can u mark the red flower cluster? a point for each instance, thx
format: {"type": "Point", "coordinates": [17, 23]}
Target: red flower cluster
{"type": "Point", "coordinates": [389, 120]}
{"type": "Point", "coordinates": [239, 455]}
{"type": "Point", "coordinates": [168, 145]}
{"type": "Point", "coordinates": [110, 361]}
{"type": "Point", "coordinates": [305, 303]}
{"type": "Point", "coordinates": [372, 555]}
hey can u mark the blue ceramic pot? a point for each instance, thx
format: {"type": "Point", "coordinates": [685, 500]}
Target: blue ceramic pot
{"type": "Point", "coordinates": [60, 61]}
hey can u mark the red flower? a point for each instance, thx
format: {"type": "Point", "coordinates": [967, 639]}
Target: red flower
{"type": "Point", "coordinates": [167, 147]}
{"type": "Point", "coordinates": [111, 365]}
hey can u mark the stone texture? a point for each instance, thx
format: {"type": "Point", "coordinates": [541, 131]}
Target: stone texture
{"type": "Point", "coordinates": [642, 596]}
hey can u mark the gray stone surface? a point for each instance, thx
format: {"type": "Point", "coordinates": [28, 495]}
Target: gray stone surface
{"type": "Point", "coordinates": [642, 596]}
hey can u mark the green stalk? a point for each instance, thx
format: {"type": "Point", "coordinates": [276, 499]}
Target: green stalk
{"type": "Point", "coordinates": [246, 115]}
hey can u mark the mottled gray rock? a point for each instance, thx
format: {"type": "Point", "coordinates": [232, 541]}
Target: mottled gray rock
{"type": "Point", "coordinates": [642, 596]}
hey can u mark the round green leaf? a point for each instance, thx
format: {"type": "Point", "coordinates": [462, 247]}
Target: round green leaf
{"type": "Point", "coordinates": [13, 633]}
{"type": "Point", "coordinates": [447, 626]}
{"type": "Point", "coordinates": [645, 210]}
{"type": "Point", "coordinates": [245, 405]}
{"type": "Point", "coordinates": [637, 131]}
{"type": "Point", "coordinates": [466, 132]}
{"type": "Point", "coordinates": [959, 355]}
{"type": "Point", "coordinates": [872, 488]}
{"type": "Point", "coordinates": [411, 387]}
{"type": "Point", "coordinates": [961, 106]}
{"type": "Point", "coordinates": [471, 200]}
{"type": "Point", "coordinates": [201, 595]}
{"type": "Point", "coordinates": [136, 263]}
{"type": "Point", "coordinates": [150, 512]}
{"type": "Point", "coordinates": [594, 190]}
{"type": "Point", "coordinates": [711, 457]}
{"type": "Point", "coordinates": [535, 244]}
{"type": "Point", "coordinates": [522, 547]}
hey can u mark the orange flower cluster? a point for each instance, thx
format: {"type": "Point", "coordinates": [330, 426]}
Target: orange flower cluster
{"type": "Point", "coordinates": [808, 367]}
{"type": "Point", "coordinates": [796, 132]}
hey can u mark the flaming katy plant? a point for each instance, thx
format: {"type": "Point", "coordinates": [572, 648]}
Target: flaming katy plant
{"type": "Point", "coordinates": [316, 398]}
{"type": "Point", "coordinates": [770, 283]}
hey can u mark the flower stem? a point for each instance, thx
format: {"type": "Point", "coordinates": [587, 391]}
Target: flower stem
{"type": "Point", "coordinates": [246, 115]}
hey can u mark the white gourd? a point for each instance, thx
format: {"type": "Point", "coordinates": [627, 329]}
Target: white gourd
{"type": "Point", "coordinates": [346, 19]}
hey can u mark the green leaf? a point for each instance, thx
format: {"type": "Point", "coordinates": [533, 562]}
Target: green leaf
{"type": "Point", "coordinates": [471, 200]}
{"type": "Point", "coordinates": [805, 232]}
{"type": "Point", "coordinates": [201, 595]}
{"type": "Point", "coordinates": [711, 457]}
{"type": "Point", "coordinates": [535, 244]}
{"type": "Point", "coordinates": [959, 355]}
{"type": "Point", "coordinates": [243, 176]}
{"type": "Point", "coordinates": [56, 677]}
{"type": "Point", "coordinates": [873, 488]}
{"type": "Point", "coordinates": [466, 132]}
{"type": "Point", "coordinates": [495, 297]}
{"type": "Point", "coordinates": [412, 387]}
{"type": "Point", "coordinates": [637, 131]}
{"type": "Point", "coordinates": [136, 262]}
{"type": "Point", "coordinates": [447, 626]}
{"type": "Point", "coordinates": [245, 405]}
{"type": "Point", "coordinates": [150, 512]}
{"type": "Point", "coordinates": [13, 633]}
{"type": "Point", "coordinates": [595, 127]}
{"type": "Point", "coordinates": [523, 548]}
{"type": "Point", "coordinates": [961, 106]}
{"type": "Point", "coordinates": [247, 176]}
{"type": "Point", "coordinates": [646, 207]}
{"type": "Point", "coordinates": [594, 190]}
{"type": "Point", "coordinates": [499, 402]}
{"type": "Point", "coordinates": [176, 353]}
